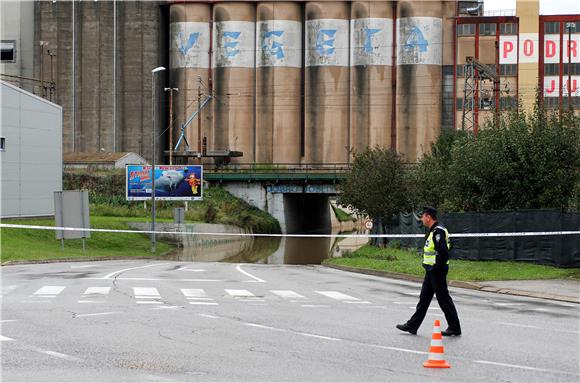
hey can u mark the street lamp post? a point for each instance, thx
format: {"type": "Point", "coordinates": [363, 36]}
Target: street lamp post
{"type": "Point", "coordinates": [153, 134]}
{"type": "Point", "coordinates": [171, 90]}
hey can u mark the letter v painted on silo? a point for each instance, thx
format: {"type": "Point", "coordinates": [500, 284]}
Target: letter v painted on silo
{"type": "Point", "coordinates": [191, 41]}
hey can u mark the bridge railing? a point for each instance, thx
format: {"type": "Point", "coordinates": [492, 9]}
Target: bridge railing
{"type": "Point", "coordinates": [277, 172]}
{"type": "Point", "coordinates": [281, 168]}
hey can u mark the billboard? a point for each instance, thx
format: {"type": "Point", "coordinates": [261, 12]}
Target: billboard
{"type": "Point", "coordinates": [172, 182]}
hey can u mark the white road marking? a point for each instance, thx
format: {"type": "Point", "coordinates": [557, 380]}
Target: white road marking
{"type": "Point", "coordinates": [85, 301]}
{"type": "Point", "coordinates": [397, 349]}
{"type": "Point", "coordinates": [338, 296]}
{"type": "Point", "coordinates": [81, 267]}
{"type": "Point", "coordinates": [239, 293]}
{"type": "Point", "coordinates": [204, 303]}
{"type": "Point", "coordinates": [95, 314]}
{"type": "Point", "coordinates": [145, 292]}
{"type": "Point", "coordinates": [511, 365]}
{"type": "Point", "coordinates": [288, 294]}
{"type": "Point", "coordinates": [4, 338]}
{"type": "Point", "coordinates": [194, 293]}
{"type": "Point", "coordinates": [314, 306]}
{"type": "Point", "coordinates": [110, 275]}
{"type": "Point", "coordinates": [183, 268]}
{"type": "Point", "coordinates": [58, 355]}
{"type": "Point", "coordinates": [8, 320]}
{"type": "Point", "coordinates": [208, 316]}
{"type": "Point", "coordinates": [159, 279]}
{"type": "Point", "coordinates": [239, 268]}
{"type": "Point", "coordinates": [316, 336]}
{"type": "Point", "coordinates": [537, 327]}
{"type": "Point", "coordinates": [290, 331]}
{"type": "Point", "coordinates": [51, 291]}
{"type": "Point", "coordinates": [359, 302]}
{"type": "Point", "coordinates": [149, 303]}
{"type": "Point", "coordinates": [265, 327]}
{"type": "Point", "coordinates": [97, 291]}
{"type": "Point", "coordinates": [37, 301]}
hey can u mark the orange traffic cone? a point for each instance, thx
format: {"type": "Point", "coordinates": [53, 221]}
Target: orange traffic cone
{"type": "Point", "coordinates": [436, 350]}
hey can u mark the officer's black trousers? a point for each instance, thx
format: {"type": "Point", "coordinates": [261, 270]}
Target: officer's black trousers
{"type": "Point", "coordinates": [435, 282]}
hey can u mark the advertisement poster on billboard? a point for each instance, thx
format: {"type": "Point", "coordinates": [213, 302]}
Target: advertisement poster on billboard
{"type": "Point", "coordinates": [172, 182]}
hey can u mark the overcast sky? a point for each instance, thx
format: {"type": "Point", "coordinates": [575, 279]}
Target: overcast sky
{"type": "Point", "coordinates": [547, 7]}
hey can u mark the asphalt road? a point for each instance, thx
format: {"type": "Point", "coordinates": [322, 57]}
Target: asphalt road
{"type": "Point", "coordinates": [150, 321]}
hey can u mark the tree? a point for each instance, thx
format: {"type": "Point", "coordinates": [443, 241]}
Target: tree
{"type": "Point", "coordinates": [376, 185]}
{"type": "Point", "coordinates": [528, 161]}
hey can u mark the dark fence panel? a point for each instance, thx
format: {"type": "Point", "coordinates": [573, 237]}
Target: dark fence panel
{"type": "Point", "coordinates": [563, 251]}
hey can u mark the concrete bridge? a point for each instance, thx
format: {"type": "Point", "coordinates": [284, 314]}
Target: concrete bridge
{"type": "Point", "coordinates": [297, 195]}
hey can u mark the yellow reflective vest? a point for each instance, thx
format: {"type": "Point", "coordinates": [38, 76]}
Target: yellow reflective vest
{"type": "Point", "coordinates": [429, 252]}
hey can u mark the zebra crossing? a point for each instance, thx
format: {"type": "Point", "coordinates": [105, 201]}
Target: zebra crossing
{"type": "Point", "coordinates": [194, 296]}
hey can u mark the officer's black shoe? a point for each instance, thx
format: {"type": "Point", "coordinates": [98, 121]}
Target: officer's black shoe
{"type": "Point", "coordinates": [451, 332]}
{"type": "Point", "coordinates": [405, 327]}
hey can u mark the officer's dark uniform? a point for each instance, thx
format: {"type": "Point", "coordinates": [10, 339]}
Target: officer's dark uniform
{"type": "Point", "coordinates": [436, 264]}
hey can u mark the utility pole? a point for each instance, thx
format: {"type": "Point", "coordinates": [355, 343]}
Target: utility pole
{"type": "Point", "coordinates": [153, 135]}
{"type": "Point", "coordinates": [570, 26]}
{"type": "Point", "coordinates": [42, 44]}
{"type": "Point", "coordinates": [199, 119]}
{"type": "Point", "coordinates": [171, 122]}
{"type": "Point", "coordinates": [52, 85]}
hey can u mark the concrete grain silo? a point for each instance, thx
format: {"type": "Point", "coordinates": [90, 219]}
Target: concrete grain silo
{"type": "Point", "coordinates": [419, 73]}
{"type": "Point", "coordinates": [104, 52]}
{"type": "Point", "coordinates": [278, 81]}
{"type": "Point", "coordinates": [233, 77]}
{"type": "Point", "coordinates": [326, 86]}
{"type": "Point", "coordinates": [189, 61]}
{"type": "Point", "coordinates": [371, 50]}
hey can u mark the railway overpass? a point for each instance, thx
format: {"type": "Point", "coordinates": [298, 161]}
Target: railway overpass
{"type": "Point", "coordinates": [297, 195]}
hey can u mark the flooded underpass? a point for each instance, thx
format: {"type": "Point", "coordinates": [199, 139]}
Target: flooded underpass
{"type": "Point", "coordinates": [304, 214]}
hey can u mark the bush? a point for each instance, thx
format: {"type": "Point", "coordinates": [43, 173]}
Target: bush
{"type": "Point", "coordinates": [529, 161]}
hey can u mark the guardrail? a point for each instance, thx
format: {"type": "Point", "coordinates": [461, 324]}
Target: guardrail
{"type": "Point", "coordinates": [276, 172]}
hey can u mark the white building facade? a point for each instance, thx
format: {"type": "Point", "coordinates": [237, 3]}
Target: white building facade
{"type": "Point", "coordinates": [30, 154]}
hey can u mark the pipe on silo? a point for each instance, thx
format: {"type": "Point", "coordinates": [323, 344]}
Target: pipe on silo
{"type": "Point", "coordinates": [419, 59]}
{"type": "Point", "coordinates": [189, 61]}
{"type": "Point", "coordinates": [326, 89]}
{"type": "Point", "coordinates": [371, 74]}
{"type": "Point", "coordinates": [233, 63]}
{"type": "Point", "coordinates": [278, 81]}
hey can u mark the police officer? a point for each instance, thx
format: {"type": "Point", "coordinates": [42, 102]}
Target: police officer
{"type": "Point", "coordinates": [436, 264]}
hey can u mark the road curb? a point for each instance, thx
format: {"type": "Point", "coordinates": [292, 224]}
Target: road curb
{"type": "Point", "coordinates": [460, 284]}
{"type": "Point", "coordinates": [64, 260]}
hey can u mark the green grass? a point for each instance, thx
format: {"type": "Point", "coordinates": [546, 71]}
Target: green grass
{"type": "Point", "coordinates": [29, 244]}
{"type": "Point", "coordinates": [342, 215]}
{"type": "Point", "coordinates": [217, 206]}
{"type": "Point", "coordinates": [409, 262]}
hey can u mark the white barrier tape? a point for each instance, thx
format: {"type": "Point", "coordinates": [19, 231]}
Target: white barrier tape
{"type": "Point", "coordinates": [457, 235]}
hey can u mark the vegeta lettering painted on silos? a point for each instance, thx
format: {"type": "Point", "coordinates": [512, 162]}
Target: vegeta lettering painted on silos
{"type": "Point", "coordinates": [371, 41]}
{"type": "Point", "coordinates": [234, 44]}
{"type": "Point", "coordinates": [419, 40]}
{"type": "Point", "coordinates": [189, 45]}
{"type": "Point", "coordinates": [327, 42]}
{"type": "Point", "coordinates": [278, 44]}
